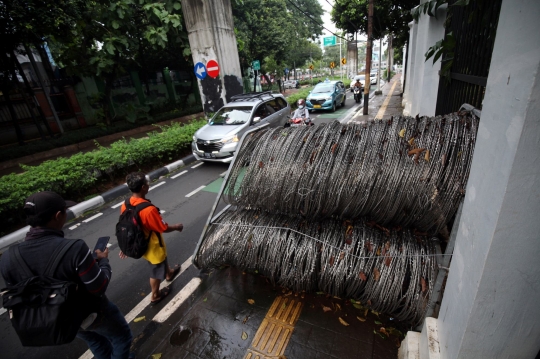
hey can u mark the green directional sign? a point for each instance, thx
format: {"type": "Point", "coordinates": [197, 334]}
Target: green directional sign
{"type": "Point", "coordinates": [329, 41]}
{"type": "Point", "coordinates": [256, 65]}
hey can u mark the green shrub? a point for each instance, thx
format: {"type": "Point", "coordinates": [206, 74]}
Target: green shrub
{"type": "Point", "coordinates": [303, 93]}
{"type": "Point", "coordinates": [74, 176]}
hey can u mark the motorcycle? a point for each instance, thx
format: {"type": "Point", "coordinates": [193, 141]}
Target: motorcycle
{"type": "Point", "coordinates": [357, 94]}
{"type": "Point", "coordinates": [299, 121]}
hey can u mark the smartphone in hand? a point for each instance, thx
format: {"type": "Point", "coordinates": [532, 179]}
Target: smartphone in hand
{"type": "Point", "coordinates": [101, 244]}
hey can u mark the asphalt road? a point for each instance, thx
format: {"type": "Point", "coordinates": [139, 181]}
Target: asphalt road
{"type": "Point", "coordinates": [188, 198]}
{"type": "Point", "coordinates": [130, 280]}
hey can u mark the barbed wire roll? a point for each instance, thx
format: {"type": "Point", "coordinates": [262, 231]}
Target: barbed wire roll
{"type": "Point", "coordinates": [388, 270]}
{"type": "Point", "coordinates": [405, 171]}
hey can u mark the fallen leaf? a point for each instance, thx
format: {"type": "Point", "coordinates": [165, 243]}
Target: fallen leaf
{"type": "Point", "coordinates": [366, 311]}
{"type": "Point", "coordinates": [332, 261]}
{"type": "Point", "coordinates": [402, 133]}
{"type": "Point", "coordinates": [143, 294]}
{"type": "Point", "coordinates": [382, 330]}
{"type": "Point", "coordinates": [416, 151]}
{"type": "Point", "coordinates": [319, 293]}
{"type": "Point", "coordinates": [205, 299]}
{"type": "Point", "coordinates": [423, 283]}
{"type": "Point", "coordinates": [139, 319]}
{"type": "Point", "coordinates": [387, 261]}
{"type": "Point", "coordinates": [376, 313]}
{"type": "Point", "coordinates": [377, 322]}
{"type": "Point", "coordinates": [244, 336]}
{"type": "Point", "coordinates": [334, 147]}
{"type": "Point", "coordinates": [426, 156]}
{"type": "Point", "coordinates": [361, 319]}
{"type": "Point", "coordinates": [362, 276]}
{"type": "Point", "coordinates": [352, 301]}
{"type": "Point", "coordinates": [341, 255]}
{"type": "Point", "coordinates": [338, 307]}
{"type": "Point", "coordinates": [156, 356]}
{"type": "Point", "coordinates": [261, 164]}
{"type": "Point", "coordinates": [378, 251]}
{"type": "Point", "coordinates": [376, 274]}
{"type": "Point", "coordinates": [343, 322]}
{"type": "Point", "coordinates": [251, 301]}
{"type": "Point", "coordinates": [245, 320]}
{"type": "Point", "coordinates": [394, 331]}
{"type": "Point", "coordinates": [326, 309]}
{"type": "Point", "coordinates": [411, 141]}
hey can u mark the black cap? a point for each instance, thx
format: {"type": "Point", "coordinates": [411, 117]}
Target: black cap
{"type": "Point", "coordinates": [42, 202]}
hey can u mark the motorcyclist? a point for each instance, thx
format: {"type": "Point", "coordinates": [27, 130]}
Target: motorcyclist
{"type": "Point", "coordinates": [358, 84]}
{"type": "Point", "coordinates": [302, 112]}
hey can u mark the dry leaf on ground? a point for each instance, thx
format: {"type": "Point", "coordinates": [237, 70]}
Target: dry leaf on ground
{"type": "Point", "coordinates": [376, 274]}
{"type": "Point", "coordinates": [251, 301]}
{"type": "Point", "coordinates": [382, 330]}
{"type": "Point", "coordinates": [343, 322]}
{"type": "Point", "coordinates": [156, 356]}
{"type": "Point", "coordinates": [361, 319]}
{"type": "Point", "coordinates": [244, 336]}
{"type": "Point", "coordinates": [136, 320]}
{"type": "Point", "coordinates": [326, 309]}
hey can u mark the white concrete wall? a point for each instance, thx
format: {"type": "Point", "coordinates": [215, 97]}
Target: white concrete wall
{"type": "Point", "coordinates": [423, 77]}
{"type": "Point", "coordinates": [491, 304]}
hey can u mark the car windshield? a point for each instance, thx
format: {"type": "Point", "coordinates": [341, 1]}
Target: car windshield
{"type": "Point", "coordinates": [323, 89]}
{"type": "Point", "coordinates": [231, 116]}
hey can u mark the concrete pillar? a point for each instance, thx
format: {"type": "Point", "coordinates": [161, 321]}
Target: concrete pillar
{"type": "Point", "coordinates": [490, 307]}
{"type": "Point", "coordinates": [210, 29]}
{"type": "Point", "coordinates": [352, 56]}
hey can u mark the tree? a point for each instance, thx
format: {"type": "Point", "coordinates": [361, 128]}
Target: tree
{"type": "Point", "coordinates": [110, 38]}
{"type": "Point", "coordinates": [389, 17]}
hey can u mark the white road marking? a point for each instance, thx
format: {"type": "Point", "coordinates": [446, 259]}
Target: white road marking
{"type": "Point", "coordinates": [143, 304]}
{"type": "Point", "coordinates": [177, 301]}
{"type": "Point", "coordinates": [146, 301]}
{"type": "Point", "coordinates": [223, 174]}
{"type": "Point", "coordinates": [179, 174]}
{"type": "Point", "coordinates": [75, 226]}
{"type": "Point", "coordinates": [161, 212]}
{"type": "Point", "coordinates": [117, 205]}
{"type": "Point", "coordinates": [198, 164]}
{"type": "Point", "coordinates": [159, 184]}
{"type": "Point", "coordinates": [2, 310]}
{"type": "Point", "coordinates": [93, 217]}
{"type": "Point", "coordinates": [197, 190]}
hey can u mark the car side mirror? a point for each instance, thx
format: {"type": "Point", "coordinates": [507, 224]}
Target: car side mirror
{"type": "Point", "coordinates": [256, 119]}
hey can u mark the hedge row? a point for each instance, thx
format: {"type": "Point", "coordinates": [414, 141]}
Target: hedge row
{"type": "Point", "coordinates": [72, 177]}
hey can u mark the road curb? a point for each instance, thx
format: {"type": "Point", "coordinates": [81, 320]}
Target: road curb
{"type": "Point", "coordinates": [80, 208]}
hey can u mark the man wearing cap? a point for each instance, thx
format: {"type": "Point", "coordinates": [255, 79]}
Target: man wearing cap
{"type": "Point", "coordinates": [103, 326]}
{"type": "Point", "coordinates": [153, 226]}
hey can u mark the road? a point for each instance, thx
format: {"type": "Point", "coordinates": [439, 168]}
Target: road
{"type": "Point", "coordinates": [185, 196]}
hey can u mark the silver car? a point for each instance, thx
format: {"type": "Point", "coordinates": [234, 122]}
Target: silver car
{"type": "Point", "coordinates": [217, 140]}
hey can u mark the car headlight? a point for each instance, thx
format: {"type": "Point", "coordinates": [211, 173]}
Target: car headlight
{"type": "Point", "coordinates": [194, 139]}
{"type": "Point", "coordinates": [231, 140]}
{"type": "Point", "coordinates": [329, 99]}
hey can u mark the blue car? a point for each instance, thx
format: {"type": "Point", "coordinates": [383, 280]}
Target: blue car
{"type": "Point", "coordinates": [326, 96]}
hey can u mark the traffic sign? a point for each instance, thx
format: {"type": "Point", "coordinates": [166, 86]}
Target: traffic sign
{"type": "Point", "coordinates": [329, 41]}
{"type": "Point", "coordinates": [200, 70]}
{"type": "Point", "coordinates": [343, 61]}
{"type": "Point", "coordinates": [286, 71]}
{"type": "Point", "coordinates": [256, 65]}
{"type": "Point", "coordinates": [332, 65]}
{"type": "Point", "coordinates": [311, 67]}
{"type": "Point", "coordinates": [213, 68]}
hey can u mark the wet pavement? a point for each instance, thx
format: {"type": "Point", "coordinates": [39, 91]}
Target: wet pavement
{"type": "Point", "coordinates": [234, 314]}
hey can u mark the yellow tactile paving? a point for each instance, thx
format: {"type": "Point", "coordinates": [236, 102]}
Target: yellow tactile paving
{"type": "Point", "coordinates": [276, 328]}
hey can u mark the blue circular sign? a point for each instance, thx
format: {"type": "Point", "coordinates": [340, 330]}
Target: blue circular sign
{"type": "Point", "coordinates": [200, 70]}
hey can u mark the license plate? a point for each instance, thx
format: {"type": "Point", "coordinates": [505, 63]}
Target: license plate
{"type": "Point", "coordinates": [316, 106]}
{"type": "Point", "coordinates": [207, 155]}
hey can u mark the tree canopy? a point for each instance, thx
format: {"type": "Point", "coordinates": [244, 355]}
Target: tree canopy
{"type": "Point", "coordinates": [389, 17]}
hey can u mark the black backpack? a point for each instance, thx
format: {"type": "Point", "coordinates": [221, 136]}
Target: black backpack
{"type": "Point", "coordinates": [129, 231]}
{"type": "Point", "coordinates": [43, 310]}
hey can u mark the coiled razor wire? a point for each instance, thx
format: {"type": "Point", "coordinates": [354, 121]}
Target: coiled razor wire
{"type": "Point", "coordinates": [391, 271]}
{"type": "Point", "coordinates": [405, 171]}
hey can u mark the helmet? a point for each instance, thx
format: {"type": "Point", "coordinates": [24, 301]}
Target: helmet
{"type": "Point", "coordinates": [301, 103]}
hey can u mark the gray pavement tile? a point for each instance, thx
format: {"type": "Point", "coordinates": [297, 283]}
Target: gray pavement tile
{"type": "Point", "coordinates": [345, 347]}
{"type": "Point", "coordinates": [298, 351]}
{"type": "Point", "coordinates": [230, 332]}
{"type": "Point", "coordinates": [199, 317]}
{"type": "Point", "coordinates": [226, 346]}
{"type": "Point", "coordinates": [321, 340]}
{"type": "Point", "coordinates": [301, 332]}
{"type": "Point", "coordinates": [197, 341]}
{"type": "Point", "coordinates": [385, 348]}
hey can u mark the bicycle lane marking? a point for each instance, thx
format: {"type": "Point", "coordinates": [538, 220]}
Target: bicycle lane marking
{"type": "Point", "coordinates": [382, 110]}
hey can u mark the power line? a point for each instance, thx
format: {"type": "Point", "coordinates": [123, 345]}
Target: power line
{"type": "Point", "coordinates": [349, 21]}
{"type": "Point", "coordinates": [316, 22]}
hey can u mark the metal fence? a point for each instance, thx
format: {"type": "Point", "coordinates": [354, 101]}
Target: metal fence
{"type": "Point", "coordinates": [474, 28]}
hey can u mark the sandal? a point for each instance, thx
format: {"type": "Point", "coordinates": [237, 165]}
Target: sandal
{"type": "Point", "coordinates": [175, 272]}
{"type": "Point", "coordinates": [162, 294]}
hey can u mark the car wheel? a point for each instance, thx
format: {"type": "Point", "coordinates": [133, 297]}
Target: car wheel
{"type": "Point", "coordinates": [343, 103]}
{"type": "Point", "coordinates": [333, 106]}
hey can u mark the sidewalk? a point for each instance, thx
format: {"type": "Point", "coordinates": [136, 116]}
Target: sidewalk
{"type": "Point", "coordinates": [382, 106]}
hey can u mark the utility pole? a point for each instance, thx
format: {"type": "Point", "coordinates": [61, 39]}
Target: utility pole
{"type": "Point", "coordinates": [378, 91]}
{"type": "Point", "coordinates": [368, 56]}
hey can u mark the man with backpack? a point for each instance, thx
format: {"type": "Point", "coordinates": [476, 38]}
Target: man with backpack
{"type": "Point", "coordinates": [56, 289]}
{"type": "Point", "coordinates": [149, 221]}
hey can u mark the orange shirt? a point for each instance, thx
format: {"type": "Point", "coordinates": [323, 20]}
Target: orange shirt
{"type": "Point", "coordinates": [151, 220]}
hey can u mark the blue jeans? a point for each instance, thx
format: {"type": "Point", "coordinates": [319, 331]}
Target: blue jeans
{"type": "Point", "coordinates": [109, 336]}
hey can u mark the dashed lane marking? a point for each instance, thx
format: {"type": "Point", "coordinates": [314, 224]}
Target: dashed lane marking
{"type": "Point", "coordinates": [117, 205]}
{"type": "Point", "coordinates": [93, 217]}
{"type": "Point", "coordinates": [276, 329]}
{"type": "Point", "coordinates": [197, 190]}
{"type": "Point", "coordinates": [159, 184]}
{"type": "Point", "coordinates": [198, 165]}
{"type": "Point", "coordinates": [179, 174]}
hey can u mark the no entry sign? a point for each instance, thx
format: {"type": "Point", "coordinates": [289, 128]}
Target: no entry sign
{"type": "Point", "coordinates": [212, 68]}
